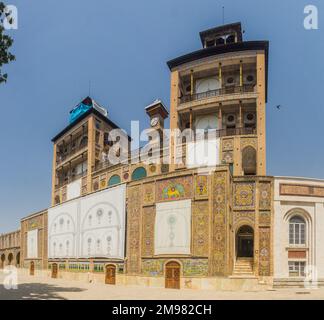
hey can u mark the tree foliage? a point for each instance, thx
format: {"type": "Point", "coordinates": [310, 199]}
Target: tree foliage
{"type": "Point", "coordinates": [5, 44]}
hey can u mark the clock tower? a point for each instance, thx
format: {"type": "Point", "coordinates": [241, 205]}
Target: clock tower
{"type": "Point", "coordinates": [157, 113]}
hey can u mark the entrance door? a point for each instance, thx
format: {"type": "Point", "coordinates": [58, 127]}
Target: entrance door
{"type": "Point", "coordinates": [172, 275]}
{"type": "Point", "coordinates": [32, 268]}
{"type": "Point", "coordinates": [244, 242]}
{"type": "Point", "coordinates": [54, 270]}
{"type": "Point", "coordinates": [110, 274]}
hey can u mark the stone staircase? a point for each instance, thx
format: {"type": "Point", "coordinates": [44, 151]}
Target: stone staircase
{"type": "Point", "coordinates": [243, 267]}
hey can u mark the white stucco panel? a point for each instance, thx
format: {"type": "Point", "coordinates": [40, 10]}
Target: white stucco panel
{"type": "Point", "coordinates": [63, 230]}
{"type": "Point", "coordinates": [173, 227]}
{"type": "Point", "coordinates": [32, 244]}
{"type": "Point", "coordinates": [102, 223]}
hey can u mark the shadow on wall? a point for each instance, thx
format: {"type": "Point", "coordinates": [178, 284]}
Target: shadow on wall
{"type": "Point", "coordinates": [35, 291]}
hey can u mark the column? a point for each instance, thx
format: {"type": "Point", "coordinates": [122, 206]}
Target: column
{"type": "Point", "coordinates": [220, 79]}
{"type": "Point", "coordinates": [54, 174]}
{"type": "Point", "coordinates": [241, 73]}
{"type": "Point", "coordinates": [240, 116]}
{"type": "Point", "coordinates": [191, 82]}
{"type": "Point", "coordinates": [220, 124]}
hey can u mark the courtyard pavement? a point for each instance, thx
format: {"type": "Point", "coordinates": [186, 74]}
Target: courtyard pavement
{"type": "Point", "coordinates": [36, 288]}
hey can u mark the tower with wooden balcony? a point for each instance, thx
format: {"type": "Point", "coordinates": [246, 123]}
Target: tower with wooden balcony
{"type": "Point", "coordinates": [78, 149]}
{"type": "Point", "coordinates": [223, 87]}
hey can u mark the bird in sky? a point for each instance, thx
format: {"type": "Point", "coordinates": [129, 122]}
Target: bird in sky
{"type": "Point", "coordinates": [278, 106]}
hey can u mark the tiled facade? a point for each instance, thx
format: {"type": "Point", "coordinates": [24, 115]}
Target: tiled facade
{"type": "Point", "coordinates": [184, 226]}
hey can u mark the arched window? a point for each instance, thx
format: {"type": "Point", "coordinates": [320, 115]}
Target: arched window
{"type": "Point", "coordinates": [249, 161]}
{"type": "Point", "coordinates": [115, 179]}
{"type": "Point", "coordinates": [297, 230]}
{"type": "Point", "coordinates": [139, 173]}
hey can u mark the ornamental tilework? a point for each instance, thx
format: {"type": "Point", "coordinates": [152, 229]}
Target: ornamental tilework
{"type": "Point", "coordinates": [244, 217]}
{"type": "Point", "coordinates": [133, 230]}
{"type": "Point", "coordinates": [265, 218]}
{"type": "Point", "coordinates": [195, 267]}
{"type": "Point", "coordinates": [200, 228]}
{"type": "Point", "coordinates": [174, 189]}
{"type": "Point", "coordinates": [148, 231]}
{"type": "Point", "coordinates": [265, 196]}
{"type": "Point", "coordinates": [228, 144]}
{"type": "Point", "coordinates": [218, 256]}
{"type": "Point", "coordinates": [153, 267]}
{"type": "Point", "coordinates": [201, 186]}
{"type": "Point", "coordinates": [248, 142]}
{"type": "Point", "coordinates": [244, 195]}
{"type": "Point", "coordinates": [34, 223]}
{"type": "Point", "coordinates": [228, 157]}
{"type": "Point", "coordinates": [148, 194]}
{"type": "Point", "coordinates": [264, 249]}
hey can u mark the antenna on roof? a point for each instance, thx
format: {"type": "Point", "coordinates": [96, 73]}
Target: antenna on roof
{"type": "Point", "coordinates": [223, 11]}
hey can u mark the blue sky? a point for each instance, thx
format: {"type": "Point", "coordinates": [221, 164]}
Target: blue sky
{"type": "Point", "coordinates": [122, 47]}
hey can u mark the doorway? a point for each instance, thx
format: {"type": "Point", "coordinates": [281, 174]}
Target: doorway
{"type": "Point", "coordinates": [244, 242]}
{"type": "Point", "coordinates": [54, 270]}
{"type": "Point", "coordinates": [172, 275]}
{"type": "Point", "coordinates": [32, 268]}
{"type": "Point", "coordinates": [110, 274]}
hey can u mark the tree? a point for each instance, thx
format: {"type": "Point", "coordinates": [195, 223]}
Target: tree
{"type": "Point", "coordinates": [5, 43]}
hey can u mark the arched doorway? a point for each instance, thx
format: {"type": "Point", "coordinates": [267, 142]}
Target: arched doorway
{"type": "Point", "coordinates": [244, 242]}
{"type": "Point", "coordinates": [32, 268]}
{"type": "Point", "coordinates": [3, 258]}
{"type": "Point", "coordinates": [10, 258]}
{"type": "Point", "coordinates": [18, 260]}
{"type": "Point", "coordinates": [54, 270]}
{"type": "Point", "coordinates": [110, 274]}
{"type": "Point", "coordinates": [172, 275]}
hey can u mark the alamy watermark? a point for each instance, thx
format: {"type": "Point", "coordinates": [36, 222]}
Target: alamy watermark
{"type": "Point", "coordinates": [311, 19]}
{"type": "Point", "coordinates": [10, 17]}
{"type": "Point", "coordinates": [10, 281]}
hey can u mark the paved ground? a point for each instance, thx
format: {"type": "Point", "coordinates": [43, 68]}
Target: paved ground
{"type": "Point", "coordinates": [34, 288]}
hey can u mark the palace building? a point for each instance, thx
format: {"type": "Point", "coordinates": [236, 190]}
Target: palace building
{"type": "Point", "coordinates": [194, 221]}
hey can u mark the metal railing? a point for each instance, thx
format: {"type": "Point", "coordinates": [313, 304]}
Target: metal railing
{"type": "Point", "coordinates": [246, 88]}
{"type": "Point", "coordinates": [70, 179]}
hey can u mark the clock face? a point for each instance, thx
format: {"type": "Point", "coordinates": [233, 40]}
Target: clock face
{"type": "Point", "coordinates": [154, 121]}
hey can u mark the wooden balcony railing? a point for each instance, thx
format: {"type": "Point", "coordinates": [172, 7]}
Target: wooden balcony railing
{"type": "Point", "coordinates": [246, 88]}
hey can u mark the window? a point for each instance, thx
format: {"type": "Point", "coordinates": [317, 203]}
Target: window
{"type": "Point", "coordinates": [297, 228]}
{"type": "Point", "coordinates": [210, 43]}
{"type": "Point", "coordinates": [139, 173]}
{"type": "Point", "coordinates": [115, 179]}
{"type": "Point", "coordinates": [296, 268]}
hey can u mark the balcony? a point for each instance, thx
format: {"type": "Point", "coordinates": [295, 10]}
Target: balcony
{"type": "Point", "coordinates": [230, 90]}
{"type": "Point", "coordinates": [235, 132]}
{"type": "Point", "coordinates": [70, 152]}
{"type": "Point", "coordinates": [69, 179]}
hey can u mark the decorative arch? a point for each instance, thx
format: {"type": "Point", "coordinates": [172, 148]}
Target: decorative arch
{"type": "Point", "coordinates": [115, 179]}
{"type": "Point", "coordinates": [10, 258]}
{"type": "Point", "coordinates": [249, 160]}
{"type": "Point", "coordinates": [298, 212]}
{"type": "Point", "coordinates": [56, 220]}
{"type": "Point", "coordinates": [139, 173]}
{"type": "Point", "coordinates": [2, 260]}
{"type": "Point", "coordinates": [244, 241]}
{"type": "Point", "coordinates": [303, 215]}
